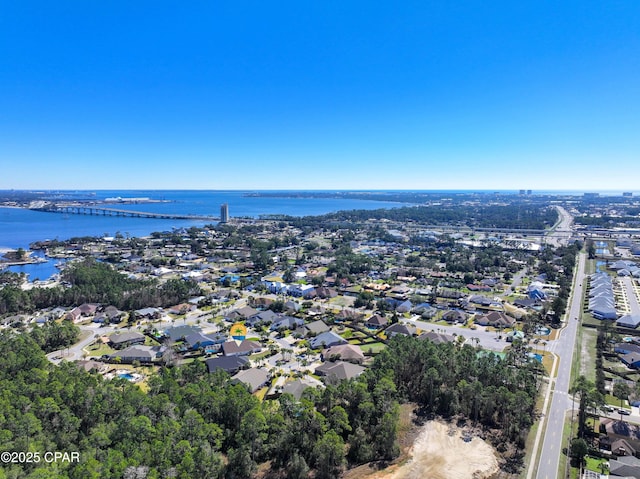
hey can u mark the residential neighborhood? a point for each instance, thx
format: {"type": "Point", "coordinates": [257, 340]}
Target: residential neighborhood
{"type": "Point", "coordinates": [282, 307]}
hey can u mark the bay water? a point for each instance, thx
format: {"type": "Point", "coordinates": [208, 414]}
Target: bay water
{"type": "Point", "coordinates": [19, 226]}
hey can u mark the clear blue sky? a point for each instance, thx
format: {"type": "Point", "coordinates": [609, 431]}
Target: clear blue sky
{"type": "Point", "coordinates": [321, 94]}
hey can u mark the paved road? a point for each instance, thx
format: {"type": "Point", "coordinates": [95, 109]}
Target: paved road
{"type": "Point", "coordinates": [561, 232]}
{"type": "Point", "coordinates": [88, 332]}
{"type": "Point", "coordinates": [561, 402]}
{"type": "Point", "coordinates": [75, 352]}
{"type": "Point", "coordinates": [515, 282]}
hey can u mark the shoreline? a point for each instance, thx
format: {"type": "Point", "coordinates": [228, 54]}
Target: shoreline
{"type": "Point", "coordinates": [19, 263]}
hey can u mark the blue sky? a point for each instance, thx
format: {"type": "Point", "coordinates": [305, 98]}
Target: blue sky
{"type": "Point", "coordinates": [320, 95]}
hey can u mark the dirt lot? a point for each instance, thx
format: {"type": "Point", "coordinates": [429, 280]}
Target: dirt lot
{"type": "Point", "coordinates": [440, 452]}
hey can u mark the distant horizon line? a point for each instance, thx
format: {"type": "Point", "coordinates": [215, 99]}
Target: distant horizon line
{"type": "Point", "coordinates": [311, 190]}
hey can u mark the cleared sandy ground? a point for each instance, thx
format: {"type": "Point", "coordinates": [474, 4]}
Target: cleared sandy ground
{"type": "Point", "coordinates": [440, 452]}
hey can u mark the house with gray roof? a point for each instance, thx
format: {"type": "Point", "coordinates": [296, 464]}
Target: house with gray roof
{"type": "Point", "coordinates": [262, 317]}
{"type": "Point", "coordinates": [292, 306]}
{"type": "Point", "coordinates": [128, 338]}
{"type": "Point", "coordinates": [324, 292]}
{"type": "Point", "coordinates": [208, 342]}
{"type": "Point", "coordinates": [178, 333]}
{"type": "Point", "coordinates": [142, 354]}
{"type": "Point", "coordinates": [241, 313]}
{"type": "Point", "coordinates": [298, 386]}
{"type": "Point", "coordinates": [603, 308]}
{"type": "Point", "coordinates": [110, 314]}
{"type": "Point", "coordinates": [455, 316]}
{"type": "Point", "coordinates": [480, 300]}
{"type": "Point", "coordinates": [376, 322]}
{"type": "Point", "coordinates": [497, 319]}
{"type": "Point", "coordinates": [246, 347]}
{"type": "Point", "coordinates": [339, 371]}
{"type": "Point", "coordinates": [315, 327]}
{"type": "Point", "coordinates": [254, 378]}
{"type": "Point", "coordinates": [425, 310]}
{"type": "Point", "coordinates": [400, 328]}
{"type": "Point", "coordinates": [326, 340]}
{"type": "Point", "coordinates": [148, 313]}
{"type": "Point", "coordinates": [629, 321]}
{"type": "Point", "coordinates": [616, 445]}
{"type": "Point", "coordinates": [626, 465]}
{"type": "Point", "coordinates": [90, 365]}
{"type": "Point", "coordinates": [626, 348]}
{"type": "Point", "coordinates": [404, 307]}
{"type": "Point", "coordinates": [286, 322]}
{"type": "Point", "coordinates": [229, 364]}
{"type": "Point", "coordinates": [344, 352]}
{"type": "Point", "coordinates": [621, 264]}
{"type": "Point", "coordinates": [437, 338]}
{"type": "Point", "coordinates": [617, 429]}
{"type": "Point", "coordinates": [631, 360]}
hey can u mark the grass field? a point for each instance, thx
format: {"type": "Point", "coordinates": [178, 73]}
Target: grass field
{"type": "Point", "coordinates": [98, 349]}
{"type": "Point", "coordinates": [588, 353]}
{"type": "Point", "coordinates": [564, 459]}
{"type": "Point", "coordinates": [375, 348]}
{"type": "Point", "coordinates": [595, 463]}
{"type": "Point", "coordinates": [343, 301]}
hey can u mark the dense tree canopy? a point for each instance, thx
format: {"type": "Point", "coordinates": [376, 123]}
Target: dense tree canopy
{"type": "Point", "coordinates": [514, 216]}
{"type": "Point", "coordinates": [194, 424]}
{"type": "Point", "coordinates": [93, 282]}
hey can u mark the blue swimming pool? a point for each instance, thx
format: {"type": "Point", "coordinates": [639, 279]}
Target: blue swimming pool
{"type": "Point", "coordinates": [537, 357]}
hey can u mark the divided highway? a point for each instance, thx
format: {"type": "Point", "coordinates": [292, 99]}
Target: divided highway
{"type": "Point", "coordinates": [561, 402]}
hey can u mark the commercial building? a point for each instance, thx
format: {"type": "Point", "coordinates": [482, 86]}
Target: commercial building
{"type": "Point", "coordinates": [224, 213]}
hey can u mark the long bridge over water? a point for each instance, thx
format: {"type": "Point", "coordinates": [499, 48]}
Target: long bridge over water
{"type": "Point", "coordinates": [103, 211]}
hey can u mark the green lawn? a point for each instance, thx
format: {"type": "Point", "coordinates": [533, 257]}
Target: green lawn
{"type": "Point", "coordinates": [347, 334]}
{"type": "Point", "coordinates": [587, 318]}
{"type": "Point", "coordinates": [342, 301]}
{"type": "Point", "coordinates": [261, 393]}
{"type": "Point", "coordinates": [593, 464]}
{"type": "Point", "coordinates": [99, 349]}
{"type": "Point", "coordinates": [613, 401]}
{"type": "Point", "coordinates": [588, 353]}
{"type": "Point", "coordinates": [262, 355]}
{"type": "Point", "coordinates": [375, 348]}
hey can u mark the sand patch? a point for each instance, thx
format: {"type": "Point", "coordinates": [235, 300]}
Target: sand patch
{"type": "Point", "coordinates": [440, 452]}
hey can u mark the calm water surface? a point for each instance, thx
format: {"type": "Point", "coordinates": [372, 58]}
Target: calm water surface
{"type": "Point", "coordinates": [20, 227]}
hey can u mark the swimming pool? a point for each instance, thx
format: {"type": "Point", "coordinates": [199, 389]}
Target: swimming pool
{"type": "Point", "coordinates": [537, 357]}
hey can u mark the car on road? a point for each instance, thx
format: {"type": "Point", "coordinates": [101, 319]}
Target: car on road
{"type": "Point", "coordinates": [624, 412]}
